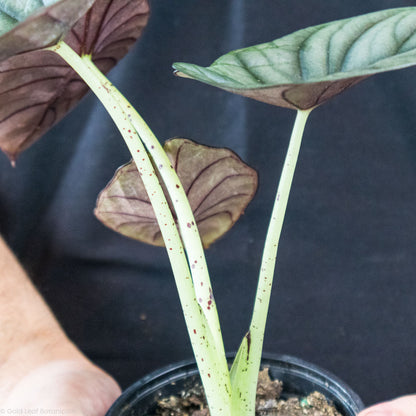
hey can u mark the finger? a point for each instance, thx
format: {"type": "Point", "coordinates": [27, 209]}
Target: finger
{"type": "Point", "coordinates": [403, 406]}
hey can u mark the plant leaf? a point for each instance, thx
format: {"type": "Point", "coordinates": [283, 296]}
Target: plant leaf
{"type": "Point", "coordinates": [310, 66]}
{"type": "Point", "coordinates": [26, 25]}
{"type": "Point", "coordinates": [218, 184]}
{"type": "Point", "coordinates": [14, 11]}
{"type": "Point", "coordinates": [36, 87]}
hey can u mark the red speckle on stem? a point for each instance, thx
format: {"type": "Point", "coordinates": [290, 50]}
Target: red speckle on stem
{"type": "Point", "coordinates": [194, 331]}
{"type": "Point", "coordinates": [177, 186]}
{"type": "Point", "coordinates": [209, 375]}
{"type": "Point", "coordinates": [209, 302]}
{"type": "Point", "coordinates": [248, 337]}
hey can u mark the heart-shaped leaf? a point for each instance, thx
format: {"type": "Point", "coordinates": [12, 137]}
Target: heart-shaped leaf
{"type": "Point", "coordinates": [37, 88]}
{"type": "Point", "coordinates": [218, 185]}
{"type": "Point", "coordinates": [310, 66]}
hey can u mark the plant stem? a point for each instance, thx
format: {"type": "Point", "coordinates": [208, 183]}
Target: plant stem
{"type": "Point", "coordinates": [268, 264]}
{"type": "Point", "coordinates": [246, 369]}
{"type": "Point", "coordinates": [214, 373]}
{"type": "Point", "coordinates": [186, 221]}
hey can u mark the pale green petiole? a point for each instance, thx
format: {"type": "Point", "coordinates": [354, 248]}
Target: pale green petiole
{"type": "Point", "coordinates": [208, 350]}
{"type": "Point", "coordinates": [186, 220]}
{"type": "Point", "coordinates": [225, 397]}
{"type": "Point", "coordinates": [247, 363]}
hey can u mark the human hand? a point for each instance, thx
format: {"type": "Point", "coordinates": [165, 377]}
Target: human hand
{"type": "Point", "coordinates": [41, 371]}
{"type": "Point", "coordinates": [66, 385]}
{"type": "Point", "coordinates": [68, 388]}
{"type": "Point", "coordinates": [403, 406]}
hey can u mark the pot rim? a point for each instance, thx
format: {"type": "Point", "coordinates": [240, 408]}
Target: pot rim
{"type": "Point", "coordinates": [292, 366]}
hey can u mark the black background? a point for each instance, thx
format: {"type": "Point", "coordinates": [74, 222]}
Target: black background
{"type": "Point", "coordinates": [345, 290]}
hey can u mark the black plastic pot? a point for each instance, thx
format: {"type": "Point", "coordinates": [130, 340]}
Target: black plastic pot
{"type": "Point", "coordinates": [299, 378]}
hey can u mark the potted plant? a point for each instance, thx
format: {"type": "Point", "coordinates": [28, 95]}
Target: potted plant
{"type": "Point", "coordinates": [319, 63]}
{"type": "Point", "coordinates": [290, 386]}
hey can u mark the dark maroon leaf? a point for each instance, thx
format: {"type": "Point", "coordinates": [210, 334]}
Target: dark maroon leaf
{"type": "Point", "coordinates": [218, 184]}
{"type": "Point", "coordinates": [38, 88]}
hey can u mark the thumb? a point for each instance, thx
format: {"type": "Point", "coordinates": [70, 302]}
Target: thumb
{"type": "Point", "coordinates": [403, 406]}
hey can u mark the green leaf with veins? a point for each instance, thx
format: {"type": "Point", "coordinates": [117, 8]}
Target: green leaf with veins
{"type": "Point", "coordinates": [217, 183]}
{"type": "Point", "coordinates": [37, 88]}
{"type": "Point", "coordinates": [310, 66]}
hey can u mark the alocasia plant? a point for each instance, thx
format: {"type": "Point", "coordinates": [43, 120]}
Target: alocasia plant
{"type": "Point", "coordinates": [116, 23]}
{"type": "Point", "coordinates": [300, 71]}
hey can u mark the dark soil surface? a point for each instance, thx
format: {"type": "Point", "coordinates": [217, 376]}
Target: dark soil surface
{"type": "Point", "coordinates": [192, 402]}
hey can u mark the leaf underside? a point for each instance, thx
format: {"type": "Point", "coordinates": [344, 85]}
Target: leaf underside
{"type": "Point", "coordinates": [310, 66]}
{"type": "Point", "coordinates": [37, 88]}
{"type": "Point", "coordinates": [217, 183]}
{"type": "Point", "coordinates": [12, 12]}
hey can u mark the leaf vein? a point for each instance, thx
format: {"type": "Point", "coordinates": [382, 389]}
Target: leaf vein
{"type": "Point", "coordinates": [217, 185]}
{"type": "Point", "coordinates": [228, 198]}
{"type": "Point", "coordinates": [204, 169]}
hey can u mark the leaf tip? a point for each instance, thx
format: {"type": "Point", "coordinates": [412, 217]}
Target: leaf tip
{"type": "Point", "coordinates": [184, 70]}
{"type": "Point", "coordinates": [11, 156]}
{"type": "Point", "coordinates": [180, 74]}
